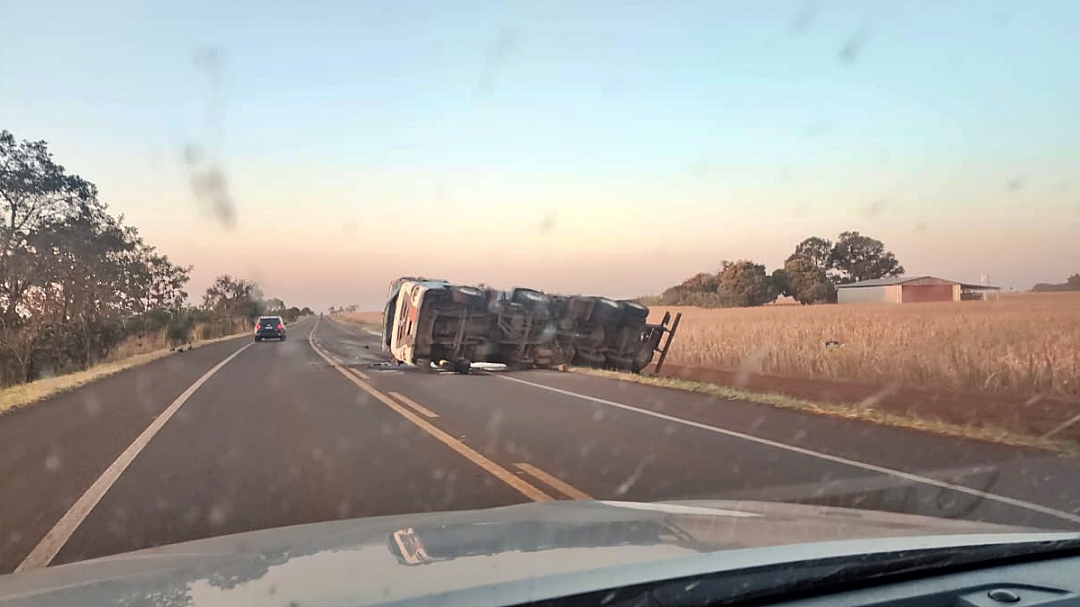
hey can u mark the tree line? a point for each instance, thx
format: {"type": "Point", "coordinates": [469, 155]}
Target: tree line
{"type": "Point", "coordinates": [1071, 283]}
{"type": "Point", "coordinates": [809, 275]}
{"type": "Point", "coordinates": [76, 282]}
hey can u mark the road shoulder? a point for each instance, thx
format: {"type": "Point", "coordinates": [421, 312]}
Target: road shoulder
{"type": "Point", "coordinates": [865, 411]}
{"type": "Point", "coordinates": [23, 395]}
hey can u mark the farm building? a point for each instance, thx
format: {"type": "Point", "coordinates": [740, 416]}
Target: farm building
{"type": "Point", "coordinates": [912, 289]}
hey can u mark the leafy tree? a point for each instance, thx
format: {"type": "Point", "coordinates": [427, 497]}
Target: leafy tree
{"type": "Point", "coordinates": [74, 280]}
{"type": "Point", "coordinates": [82, 267]}
{"type": "Point", "coordinates": [678, 296]}
{"type": "Point", "coordinates": [856, 258]}
{"type": "Point", "coordinates": [698, 290]}
{"type": "Point", "coordinates": [702, 281]}
{"type": "Point", "coordinates": [819, 251]}
{"type": "Point", "coordinates": [154, 281]}
{"type": "Point", "coordinates": [744, 283]}
{"type": "Point", "coordinates": [234, 300]}
{"type": "Point", "coordinates": [274, 306]}
{"type": "Point", "coordinates": [306, 311]}
{"type": "Point", "coordinates": [37, 194]}
{"type": "Point", "coordinates": [782, 281]}
{"type": "Point", "coordinates": [806, 282]}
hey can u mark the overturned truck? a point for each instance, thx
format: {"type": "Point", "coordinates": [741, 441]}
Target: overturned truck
{"type": "Point", "coordinates": [433, 322]}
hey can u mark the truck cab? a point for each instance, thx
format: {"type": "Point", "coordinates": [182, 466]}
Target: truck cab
{"type": "Point", "coordinates": [432, 321]}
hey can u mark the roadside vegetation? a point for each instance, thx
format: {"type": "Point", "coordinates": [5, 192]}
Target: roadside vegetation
{"type": "Point", "coordinates": [79, 288]}
{"type": "Point", "coordinates": [809, 276]}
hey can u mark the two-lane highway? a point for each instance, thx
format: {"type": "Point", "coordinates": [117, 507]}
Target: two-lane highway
{"type": "Point", "coordinates": [239, 436]}
{"type": "Point", "coordinates": [620, 440]}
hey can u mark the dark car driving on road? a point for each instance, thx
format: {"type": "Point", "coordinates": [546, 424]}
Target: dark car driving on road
{"type": "Point", "coordinates": [270, 327]}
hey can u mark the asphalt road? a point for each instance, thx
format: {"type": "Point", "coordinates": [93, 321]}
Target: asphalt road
{"type": "Point", "coordinates": [314, 429]}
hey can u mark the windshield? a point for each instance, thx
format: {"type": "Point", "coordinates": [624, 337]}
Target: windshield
{"type": "Point", "coordinates": [788, 272]}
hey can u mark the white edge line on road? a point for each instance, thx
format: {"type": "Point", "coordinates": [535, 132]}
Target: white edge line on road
{"type": "Point", "coordinates": [808, 452]}
{"type": "Point", "coordinates": [474, 456]}
{"type": "Point", "coordinates": [54, 540]}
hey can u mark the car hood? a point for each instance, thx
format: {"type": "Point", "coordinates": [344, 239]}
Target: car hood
{"type": "Point", "coordinates": [494, 556]}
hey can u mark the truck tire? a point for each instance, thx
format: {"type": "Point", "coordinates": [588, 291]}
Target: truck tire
{"type": "Point", "coordinates": [470, 296]}
{"type": "Point", "coordinates": [528, 296]}
{"type": "Point", "coordinates": [642, 360]}
{"type": "Point", "coordinates": [588, 359]}
{"type": "Point", "coordinates": [531, 299]}
{"type": "Point", "coordinates": [606, 311]}
{"type": "Point", "coordinates": [621, 363]}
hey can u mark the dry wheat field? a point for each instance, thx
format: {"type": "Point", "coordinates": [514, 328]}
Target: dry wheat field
{"type": "Point", "coordinates": [1024, 343]}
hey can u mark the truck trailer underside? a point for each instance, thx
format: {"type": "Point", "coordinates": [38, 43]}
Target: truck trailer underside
{"type": "Point", "coordinates": [452, 326]}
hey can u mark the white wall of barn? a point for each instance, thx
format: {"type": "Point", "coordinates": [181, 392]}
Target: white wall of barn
{"type": "Point", "coordinates": [861, 295]}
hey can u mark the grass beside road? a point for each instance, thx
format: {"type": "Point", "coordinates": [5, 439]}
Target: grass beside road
{"type": "Point", "coordinates": [846, 411]}
{"type": "Point", "coordinates": [13, 397]}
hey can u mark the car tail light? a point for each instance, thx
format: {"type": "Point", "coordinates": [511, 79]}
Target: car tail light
{"type": "Point", "coordinates": [280, 326]}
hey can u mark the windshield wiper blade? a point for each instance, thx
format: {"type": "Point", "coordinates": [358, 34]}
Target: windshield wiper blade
{"type": "Point", "coordinates": [844, 573]}
{"type": "Point", "coordinates": [820, 576]}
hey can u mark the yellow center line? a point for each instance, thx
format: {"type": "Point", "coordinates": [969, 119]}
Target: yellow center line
{"type": "Point", "coordinates": [421, 409]}
{"type": "Point", "coordinates": [555, 483]}
{"type": "Point", "coordinates": [461, 448]}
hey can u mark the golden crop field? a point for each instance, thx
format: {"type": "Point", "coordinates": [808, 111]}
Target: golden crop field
{"type": "Point", "coordinates": [1021, 344]}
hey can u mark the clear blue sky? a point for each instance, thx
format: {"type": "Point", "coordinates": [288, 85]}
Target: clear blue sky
{"type": "Point", "coordinates": [615, 147]}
